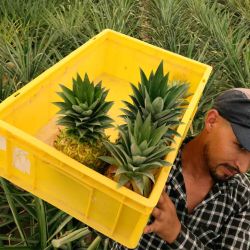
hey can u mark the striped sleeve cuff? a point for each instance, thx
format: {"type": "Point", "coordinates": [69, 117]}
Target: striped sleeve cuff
{"type": "Point", "coordinates": [183, 241]}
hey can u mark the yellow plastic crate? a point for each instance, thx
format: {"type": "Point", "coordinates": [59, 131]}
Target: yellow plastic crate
{"type": "Point", "coordinates": [31, 163]}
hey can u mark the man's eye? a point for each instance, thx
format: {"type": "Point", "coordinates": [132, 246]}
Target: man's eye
{"type": "Point", "coordinates": [241, 147]}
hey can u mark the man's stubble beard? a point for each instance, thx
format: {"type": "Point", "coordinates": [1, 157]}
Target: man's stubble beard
{"type": "Point", "coordinates": [210, 167]}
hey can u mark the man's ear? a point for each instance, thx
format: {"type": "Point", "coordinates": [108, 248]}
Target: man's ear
{"type": "Point", "coordinates": [211, 119]}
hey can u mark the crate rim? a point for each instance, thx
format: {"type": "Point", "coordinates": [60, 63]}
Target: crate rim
{"type": "Point", "coordinates": [73, 164]}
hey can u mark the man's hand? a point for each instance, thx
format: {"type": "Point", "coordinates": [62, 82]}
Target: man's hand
{"type": "Point", "coordinates": [166, 223]}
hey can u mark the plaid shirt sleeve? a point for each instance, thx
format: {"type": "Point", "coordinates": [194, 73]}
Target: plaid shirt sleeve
{"type": "Point", "coordinates": [186, 240]}
{"type": "Point", "coordinates": [234, 234]}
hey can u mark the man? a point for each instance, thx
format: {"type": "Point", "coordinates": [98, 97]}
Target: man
{"type": "Point", "coordinates": [207, 200]}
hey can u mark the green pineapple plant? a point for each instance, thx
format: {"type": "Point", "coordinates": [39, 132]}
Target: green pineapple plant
{"type": "Point", "coordinates": [83, 115]}
{"type": "Point", "coordinates": [137, 154]}
{"type": "Point", "coordinates": [156, 95]}
{"type": "Point", "coordinates": [150, 125]}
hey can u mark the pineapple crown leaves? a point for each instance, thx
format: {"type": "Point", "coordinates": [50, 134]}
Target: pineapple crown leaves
{"type": "Point", "coordinates": [141, 149]}
{"type": "Point", "coordinates": [154, 95]}
{"type": "Point", "coordinates": [84, 109]}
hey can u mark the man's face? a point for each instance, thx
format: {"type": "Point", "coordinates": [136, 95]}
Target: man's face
{"type": "Point", "coordinates": [221, 170]}
{"type": "Point", "coordinates": [223, 154]}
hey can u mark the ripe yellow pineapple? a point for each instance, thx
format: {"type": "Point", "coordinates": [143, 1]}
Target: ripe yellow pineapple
{"type": "Point", "coordinates": [83, 113]}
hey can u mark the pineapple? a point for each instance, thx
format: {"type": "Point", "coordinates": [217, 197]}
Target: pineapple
{"type": "Point", "coordinates": [83, 113]}
{"type": "Point", "coordinates": [150, 124]}
{"type": "Point", "coordinates": [138, 154]}
{"type": "Point", "coordinates": [154, 95]}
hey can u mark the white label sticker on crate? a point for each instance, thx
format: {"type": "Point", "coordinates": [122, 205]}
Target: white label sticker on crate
{"type": "Point", "coordinates": [21, 161]}
{"type": "Point", "coordinates": [2, 143]}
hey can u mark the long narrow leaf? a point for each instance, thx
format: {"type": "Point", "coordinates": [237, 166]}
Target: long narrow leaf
{"type": "Point", "coordinates": [42, 221]}
{"type": "Point", "coordinates": [16, 216]}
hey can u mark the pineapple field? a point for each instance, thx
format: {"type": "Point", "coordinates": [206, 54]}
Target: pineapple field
{"type": "Point", "coordinates": [36, 34]}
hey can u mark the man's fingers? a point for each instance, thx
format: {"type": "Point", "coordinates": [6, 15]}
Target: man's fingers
{"type": "Point", "coordinates": [156, 213]}
{"type": "Point", "coordinates": [164, 190]}
{"type": "Point", "coordinates": [148, 229]}
{"type": "Point", "coordinates": [169, 202]}
{"type": "Point", "coordinates": [165, 202]}
{"type": "Point", "coordinates": [161, 201]}
{"type": "Point", "coordinates": [152, 227]}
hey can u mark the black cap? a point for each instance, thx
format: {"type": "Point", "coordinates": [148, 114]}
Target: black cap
{"type": "Point", "coordinates": [234, 106]}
